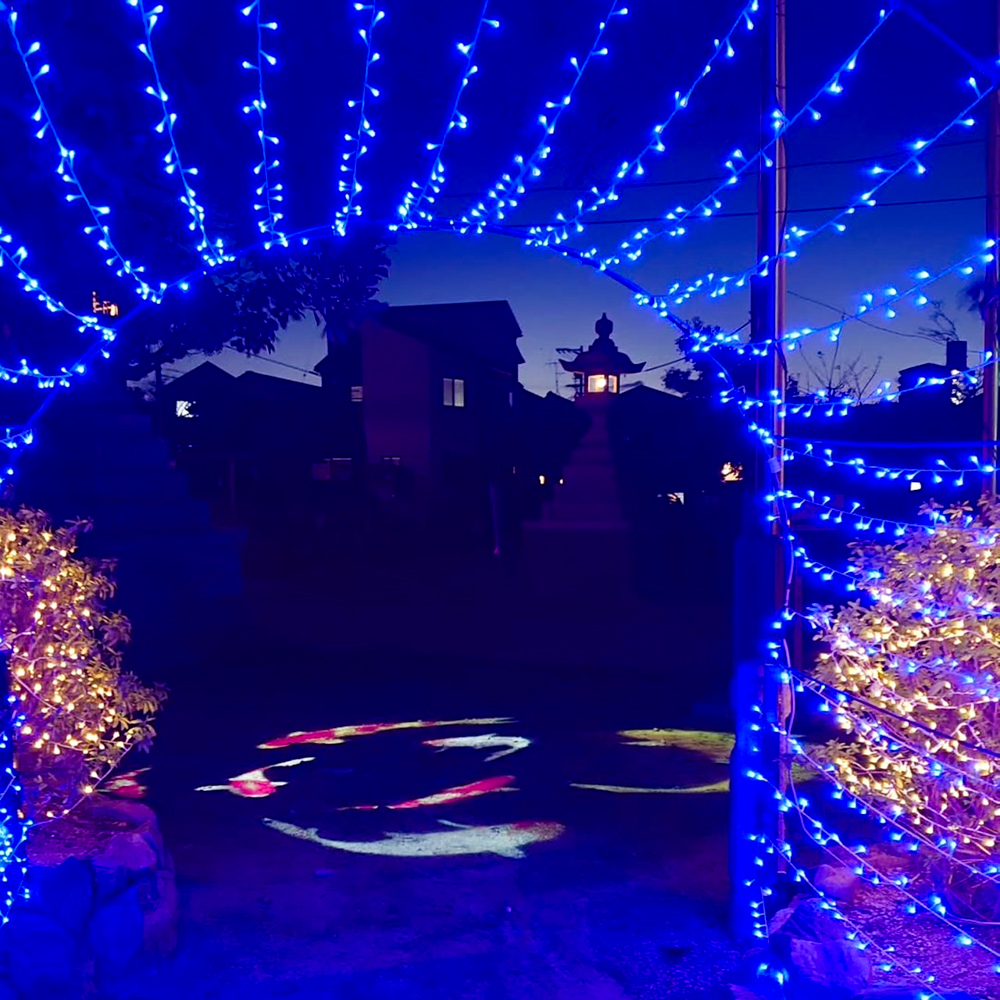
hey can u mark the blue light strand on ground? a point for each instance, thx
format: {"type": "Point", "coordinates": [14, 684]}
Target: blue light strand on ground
{"type": "Point", "coordinates": [212, 254]}
{"type": "Point", "coordinates": [822, 837]}
{"type": "Point", "coordinates": [267, 189]}
{"type": "Point", "coordinates": [559, 229]}
{"type": "Point", "coordinates": [356, 141]}
{"type": "Point", "coordinates": [737, 165]}
{"type": "Point", "coordinates": [98, 230]}
{"type": "Point", "coordinates": [505, 193]}
{"type": "Point", "coordinates": [856, 936]}
{"type": "Point", "coordinates": [414, 199]}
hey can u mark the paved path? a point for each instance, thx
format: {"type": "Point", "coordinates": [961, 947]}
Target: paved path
{"type": "Point", "coordinates": [628, 900]}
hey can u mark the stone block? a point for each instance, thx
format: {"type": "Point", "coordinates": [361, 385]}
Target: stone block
{"type": "Point", "coordinates": [43, 959]}
{"type": "Point", "coordinates": [116, 929]}
{"type": "Point", "coordinates": [837, 882]}
{"type": "Point", "coordinates": [836, 965]}
{"type": "Point", "coordinates": [160, 916]}
{"type": "Point", "coordinates": [64, 893]}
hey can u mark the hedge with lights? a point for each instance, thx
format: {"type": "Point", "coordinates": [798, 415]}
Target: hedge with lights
{"type": "Point", "coordinates": [77, 713]}
{"type": "Point", "coordinates": [916, 674]}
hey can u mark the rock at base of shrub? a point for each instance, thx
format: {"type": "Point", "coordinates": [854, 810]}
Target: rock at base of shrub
{"type": "Point", "coordinates": [837, 882]}
{"type": "Point", "coordinates": [43, 959]}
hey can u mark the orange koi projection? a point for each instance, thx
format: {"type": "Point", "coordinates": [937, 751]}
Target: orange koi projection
{"type": "Point", "coordinates": [254, 784]}
{"type": "Point", "coordinates": [508, 840]}
{"type": "Point", "coordinates": [457, 794]}
{"type": "Point", "coordinates": [126, 785]}
{"type": "Point", "coordinates": [338, 734]}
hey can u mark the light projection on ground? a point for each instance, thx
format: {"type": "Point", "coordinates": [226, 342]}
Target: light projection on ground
{"type": "Point", "coordinates": [507, 840]}
{"type": "Point", "coordinates": [126, 785]}
{"type": "Point", "coordinates": [254, 784]}
{"type": "Point", "coordinates": [457, 794]}
{"type": "Point", "coordinates": [717, 786]}
{"type": "Point", "coordinates": [512, 743]}
{"type": "Point", "coordinates": [338, 734]}
{"type": "Point", "coordinates": [715, 747]}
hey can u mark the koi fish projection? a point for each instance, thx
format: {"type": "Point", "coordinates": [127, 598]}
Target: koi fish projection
{"type": "Point", "coordinates": [507, 840]}
{"type": "Point", "coordinates": [254, 784]}
{"type": "Point", "coordinates": [338, 734]}
{"type": "Point", "coordinates": [457, 794]}
{"type": "Point", "coordinates": [716, 786]}
{"type": "Point", "coordinates": [512, 743]}
{"type": "Point", "coordinates": [126, 785]}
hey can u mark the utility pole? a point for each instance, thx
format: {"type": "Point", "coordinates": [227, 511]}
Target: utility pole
{"type": "Point", "coordinates": [991, 289]}
{"type": "Point", "coordinates": [760, 582]}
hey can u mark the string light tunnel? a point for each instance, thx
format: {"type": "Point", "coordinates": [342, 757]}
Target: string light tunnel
{"type": "Point", "coordinates": [922, 751]}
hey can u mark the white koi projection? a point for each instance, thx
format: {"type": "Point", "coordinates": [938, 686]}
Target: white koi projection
{"type": "Point", "coordinates": [507, 840]}
{"type": "Point", "coordinates": [255, 784]}
{"type": "Point", "coordinates": [512, 743]}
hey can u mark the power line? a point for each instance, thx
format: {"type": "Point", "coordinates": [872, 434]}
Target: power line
{"type": "Point", "coordinates": [753, 214]}
{"type": "Point", "coordinates": [638, 185]}
{"type": "Point", "coordinates": [274, 361]}
{"type": "Point", "coordinates": [861, 319]}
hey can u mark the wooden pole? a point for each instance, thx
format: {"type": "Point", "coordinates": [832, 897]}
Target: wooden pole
{"type": "Point", "coordinates": [760, 573]}
{"type": "Point", "coordinates": [991, 310]}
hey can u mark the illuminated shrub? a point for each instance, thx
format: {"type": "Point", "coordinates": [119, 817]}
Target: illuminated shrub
{"type": "Point", "coordinates": [921, 658]}
{"type": "Point", "coordinates": [78, 711]}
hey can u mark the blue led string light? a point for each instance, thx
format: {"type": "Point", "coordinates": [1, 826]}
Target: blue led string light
{"type": "Point", "coordinates": [85, 324]}
{"type": "Point", "coordinates": [796, 237]}
{"type": "Point", "coordinates": [856, 936]}
{"type": "Point", "coordinates": [738, 163]}
{"type": "Point", "coordinates": [837, 515]}
{"type": "Point", "coordinates": [560, 229]}
{"type": "Point", "coordinates": [505, 193]}
{"type": "Point", "coordinates": [66, 171]}
{"type": "Point", "coordinates": [816, 451]}
{"type": "Point", "coordinates": [212, 255]}
{"type": "Point", "coordinates": [413, 201]}
{"type": "Point", "coordinates": [351, 187]}
{"type": "Point", "coordinates": [882, 302]}
{"type": "Point", "coordinates": [822, 837]}
{"type": "Point", "coordinates": [267, 190]}
{"type": "Point", "coordinates": [840, 406]}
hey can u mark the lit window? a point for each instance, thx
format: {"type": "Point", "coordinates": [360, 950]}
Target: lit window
{"type": "Point", "coordinates": [915, 485]}
{"type": "Point", "coordinates": [732, 472]}
{"type": "Point", "coordinates": [675, 498]}
{"type": "Point", "coordinates": [454, 392]}
{"type": "Point", "coordinates": [184, 408]}
{"type": "Point", "coordinates": [357, 393]}
{"type": "Point", "coordinates": [391, 460]}
{"type": "Point", "coordinates": [602, 383]}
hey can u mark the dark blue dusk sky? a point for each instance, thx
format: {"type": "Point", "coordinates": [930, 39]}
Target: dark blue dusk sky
{"type": "Point", "coordinates": [907, 85]}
